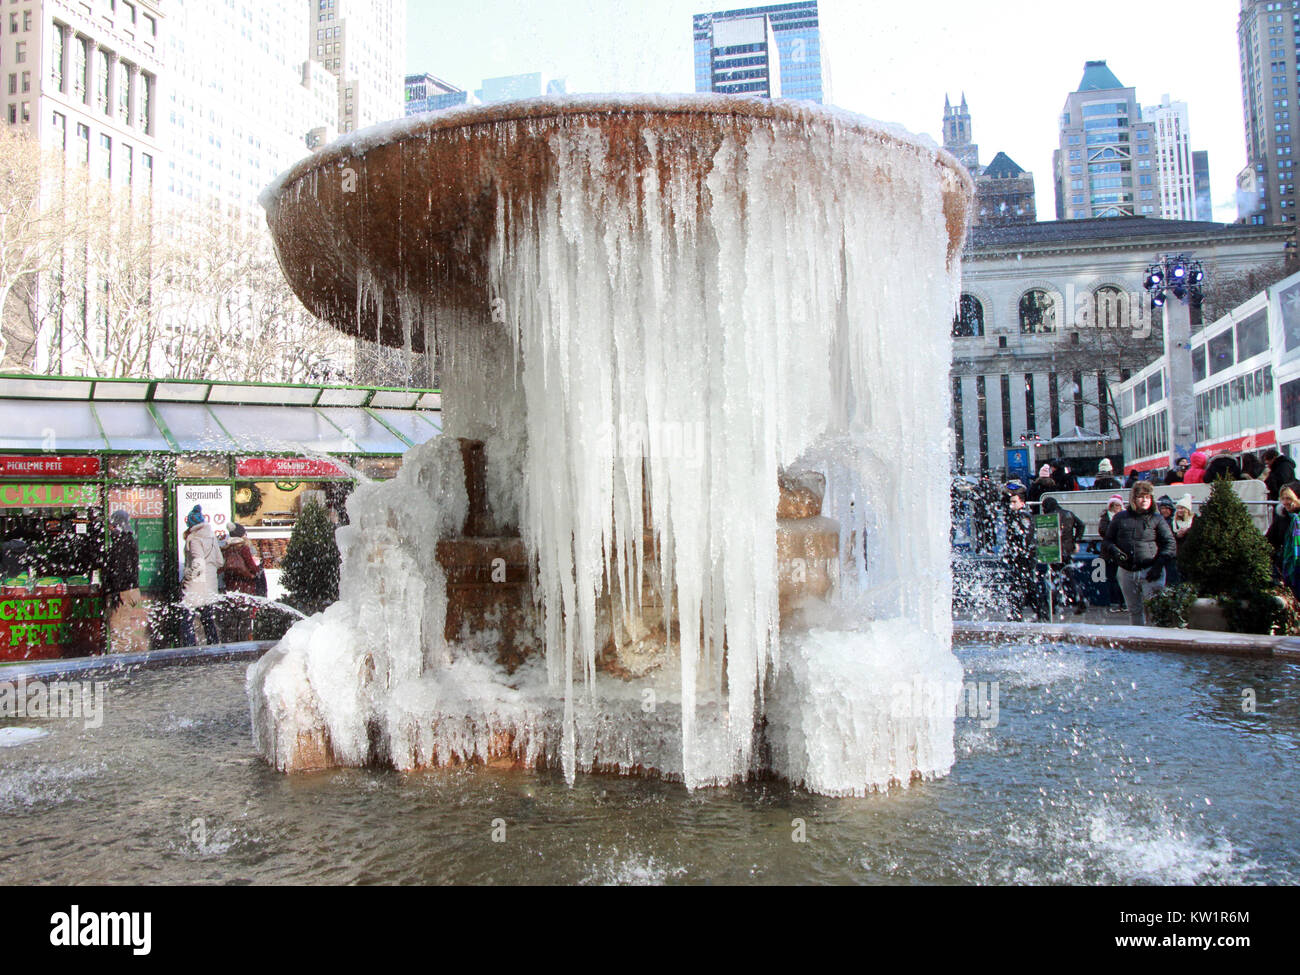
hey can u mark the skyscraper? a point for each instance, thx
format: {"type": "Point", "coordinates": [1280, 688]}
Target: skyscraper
{"type": "Point", "coordinates": [1267, 34]}
{"type": "Point", "coordinates": [773, 52]}
{"type": "Point", "coordinates": [1106, 164]}
{"type": "Point", "coordinates": [1175, 176]}
{"type": "Point", "coordinates": [359, 42]}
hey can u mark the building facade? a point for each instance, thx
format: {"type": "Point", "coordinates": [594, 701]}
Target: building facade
{"type": "Point", "coordinates": [1175, 172]}
{"type": "Point", "coordinates": [426, 93]}
{"type": "Point", "coordinates": [1106, 163]}
{"type": "Point", "coordinates": [1268, 42]}
{"type": "Point", "coordinates": [1245, 383]}
{"type": "Point", "coordinates": [228, 137]}
{"type": "Point", "coordinates": [1054, 316]}
{"type": "Point", "coordinates": [1004, 193]}
{"type": "Point", "coordinates": [85, 81]}
{"type": "Point", "coordinates": [360, 43]}
{"type": "Point", "coordinates": [772, 51]}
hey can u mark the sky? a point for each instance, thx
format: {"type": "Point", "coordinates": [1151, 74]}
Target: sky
{"type": "Point", "coordinates": [1015, 60]}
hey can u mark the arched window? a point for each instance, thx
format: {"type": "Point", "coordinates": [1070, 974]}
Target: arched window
{"type": "Point", "coordinates": [969, 319]}
{"type": "Point", "coordinates": [1109, 308]}
{"type": "Point", "coordinates": [1037, 312]}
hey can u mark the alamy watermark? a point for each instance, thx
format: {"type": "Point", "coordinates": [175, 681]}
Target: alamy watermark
{"type": "Point", "coordinates": [54, 699]}
{"type": "Point", "coordinates": [977, 700]}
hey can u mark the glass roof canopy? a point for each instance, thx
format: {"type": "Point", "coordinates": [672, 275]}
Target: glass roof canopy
{"type": "Point", "coordinates": [73, 414]}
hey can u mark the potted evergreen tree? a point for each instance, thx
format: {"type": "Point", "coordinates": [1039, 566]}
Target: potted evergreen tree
{"type": "Point", "coordinates": [1228, 562]}
{"type": "Point", "coordinates": [311, 562]}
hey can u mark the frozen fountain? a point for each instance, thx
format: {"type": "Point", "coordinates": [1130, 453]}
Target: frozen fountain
{"type": "Point", "coordinates": [688, 514]}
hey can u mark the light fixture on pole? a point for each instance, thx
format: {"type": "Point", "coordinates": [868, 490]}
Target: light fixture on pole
{"type": "Point", "coordinates": [1176, 275]}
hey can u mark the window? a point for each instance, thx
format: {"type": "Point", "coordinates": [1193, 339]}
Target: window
{"type": "Point", "coordinates": [969, 320]}
{"type": "Point", "coordinates": [1220, 352]}
{"type": "Point", "coordinates": [20, 52]}
{"type": "Point", "coordinates": [80, 66]}
{"type": "Point", "coordinates": [1109, 308]}
{"type": "Point", "coordinates": [123, 91]}
{"type": "Point", "coordinates": [101, 82]}
{"type": "Point", "coordinates": [1198, 363]}
{"type": "Point", "coordinates": [13, 84]}
{"type": "Point", "coordinates": [59, 125]}
{"type": "Point", "coordinates": [1252, 335]}
{"type": "Point", "coordinates": [1037, 312]}
{"type": "Point", "coordinates": [83, 137]}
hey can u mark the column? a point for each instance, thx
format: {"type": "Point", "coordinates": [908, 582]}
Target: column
{"type": "Point", "coordinates": [92, 72]}
{"type": "Point", "coordinates": [69, 38]}
{"type": "Point", "coordinates": [970, 420]}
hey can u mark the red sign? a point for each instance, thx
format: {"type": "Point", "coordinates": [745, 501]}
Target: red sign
{"type": "Point", "coordinates": [45, 466]}
{"type": "Point", "coordinates": [287, 468]}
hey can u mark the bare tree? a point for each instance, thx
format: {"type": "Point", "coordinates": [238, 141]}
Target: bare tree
{"type": "Point", "coordinates": [1224, 292]}
{"type": "Point", "coordinates": [42, 209]}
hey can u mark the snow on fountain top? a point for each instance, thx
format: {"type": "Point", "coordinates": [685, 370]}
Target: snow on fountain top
{"type": "Point", "coordinates": [401, 215]}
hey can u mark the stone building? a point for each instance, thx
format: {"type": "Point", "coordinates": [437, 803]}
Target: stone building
{"type": "Point", "coordinates": [1004, 193]}
{"type": "Point", "coordinates": [1053, 316]}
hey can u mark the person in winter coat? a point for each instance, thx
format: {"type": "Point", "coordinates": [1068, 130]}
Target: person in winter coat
{"type": "Point", "coordinates": [1183, 518]}
{"type": "Point", "coordinates": [1105, 477]}
{"type": "Point", "coordinates": [240, 573]}
{"type": "Point", "coordinates": [1195, 473]}
{"type": "Point", "coordinates": [199, 585]}
{"type": "Point", "coordinates": [1113, 507]}
{"type": "Point", "coordinates": [122, 584]}
{"type": "Point", "coordinates": [1018, 553]}
{"type": "Point", "coordinates": [1281, 472]}
{"type": "Point", "coordinates": [1060, 577]}
{"type": "Point", "coordinates": [1252, 468]}
{"type": "Point", "coordinates": [1063, 476]}
{"type": "Point", "coordinates": [1143, 544]}
{"type": "Point", "coordinates": [1284, 536]}
{"type": "Point", "coordinates": [1224, 465]}
{"type": "Point", "coordinates": [1042, 484]}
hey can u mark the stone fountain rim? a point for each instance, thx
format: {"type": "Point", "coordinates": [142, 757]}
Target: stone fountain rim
{"type": "Point", "coordinates": [359, 143]}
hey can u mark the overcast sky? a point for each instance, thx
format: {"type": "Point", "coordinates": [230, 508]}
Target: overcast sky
{"type": "Point", "coordinates": [1016, 60]}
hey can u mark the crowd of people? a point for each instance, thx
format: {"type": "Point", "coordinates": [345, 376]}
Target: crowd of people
{"type": "Point", "coordinates": [1140, 536]}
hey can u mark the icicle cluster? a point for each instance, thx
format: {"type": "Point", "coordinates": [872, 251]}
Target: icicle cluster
{"type": "Point", "coordinates": [792, 296]}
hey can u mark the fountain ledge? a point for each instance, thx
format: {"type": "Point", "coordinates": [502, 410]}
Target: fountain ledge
{"type": "Point", "coordinates": [1132, 638]}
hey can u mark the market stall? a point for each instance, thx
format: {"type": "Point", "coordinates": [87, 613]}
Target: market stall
{"type": "Point", "coordinates": [75, 450]}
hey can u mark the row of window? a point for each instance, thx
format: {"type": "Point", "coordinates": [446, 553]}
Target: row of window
{"type": "Point", "coordinates": [1147, 437]}
{"type": "Point", "coordinates": [1109, 308]}
{"type": "Point", "coordinates": [104, 164]}
{"type": "Point", "coordinates": [124, 75]}
{"type": "Point", "coordinates": [1231, 408]}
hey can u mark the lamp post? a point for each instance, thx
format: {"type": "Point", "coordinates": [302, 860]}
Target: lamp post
{"type": "Point", "coordinates": [1181, 278]}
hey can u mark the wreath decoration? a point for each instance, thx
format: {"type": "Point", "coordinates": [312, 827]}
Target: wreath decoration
{"type": "Point", "coordinates": [248, 498]}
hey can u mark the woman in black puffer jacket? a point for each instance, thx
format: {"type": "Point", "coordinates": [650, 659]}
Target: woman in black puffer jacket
{"type": "Point", "coordinates": [1143, 544]}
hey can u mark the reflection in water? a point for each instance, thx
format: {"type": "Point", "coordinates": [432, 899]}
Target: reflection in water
{"type": "Point", "coordinates": [1104, 767]}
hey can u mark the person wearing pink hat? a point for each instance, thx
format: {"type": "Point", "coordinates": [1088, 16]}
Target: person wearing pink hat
{"type": "Point", "coordinates": [1042, 483]}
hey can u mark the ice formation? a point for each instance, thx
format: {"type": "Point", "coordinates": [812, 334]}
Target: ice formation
{"type": "Point", "coordinates": [668, 323]}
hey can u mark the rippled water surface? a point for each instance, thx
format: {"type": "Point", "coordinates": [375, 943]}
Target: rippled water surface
{"type": "Point", "coordinates": [1103, 767]}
